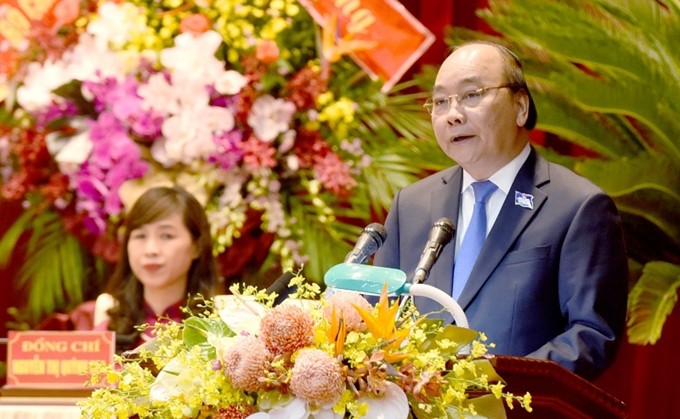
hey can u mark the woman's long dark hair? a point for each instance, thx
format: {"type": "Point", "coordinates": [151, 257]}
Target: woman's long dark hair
{"type": "Point", "coordinates": [128, 292]}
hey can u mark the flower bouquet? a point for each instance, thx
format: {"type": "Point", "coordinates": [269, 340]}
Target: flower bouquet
{"type": "Point", "coordinates": [248, 104]}
{"type": "Point", "coordinates": [309, 357]}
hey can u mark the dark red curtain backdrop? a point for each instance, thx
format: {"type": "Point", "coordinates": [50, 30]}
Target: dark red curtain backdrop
{"type": "Point", "coordinates": [642, 376]}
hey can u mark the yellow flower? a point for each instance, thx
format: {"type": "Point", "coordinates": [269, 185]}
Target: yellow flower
{"type": "Point", "coordinates": [336, 333]}
{"type": "Point", "coordinates": [383, 326]}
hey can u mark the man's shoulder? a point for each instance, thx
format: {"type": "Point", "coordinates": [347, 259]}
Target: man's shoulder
{"type": "Point", "coordinates": [434, 180]}
{"type": "Point", "coordinates": [564, 178]}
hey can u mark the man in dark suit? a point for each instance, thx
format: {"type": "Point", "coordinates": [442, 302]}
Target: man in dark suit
{"type": "Point", "coordinates": [550, 280]}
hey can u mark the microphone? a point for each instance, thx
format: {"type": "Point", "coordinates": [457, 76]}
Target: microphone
{"type": "Point", "coordinates": [280, 286]}
{"type": "Point", "coordinates": [369, 242]}
{"type": "Point", "coordinates": [440, 234]}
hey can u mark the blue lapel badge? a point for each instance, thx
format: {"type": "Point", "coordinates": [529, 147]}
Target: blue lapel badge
{"type": "Point", "coordinates": [524, 200]}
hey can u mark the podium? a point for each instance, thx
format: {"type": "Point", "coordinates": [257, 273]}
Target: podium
{"type": "Point", "coordinates": [555, 391]}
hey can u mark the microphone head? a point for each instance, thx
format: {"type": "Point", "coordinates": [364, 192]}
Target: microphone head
{"type": "Point", "coordinates": [442, 230]}
{"type": "Point", "coordinates": [378, 232]}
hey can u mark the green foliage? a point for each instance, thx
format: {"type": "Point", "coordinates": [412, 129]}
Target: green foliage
{"type": "Point", "coordinates": [60, 267]}
{"type": "Point", "coordinates": [605, 75]}
{"type": "Point", "coordinates": [652, 300]}
{"type": "Point", "coordinates": [398, 136]}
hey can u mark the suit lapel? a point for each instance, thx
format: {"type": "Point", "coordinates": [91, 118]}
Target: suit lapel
{"type": "Point", "coordinates": [511, 221]}
{"type": "Point", "coordinates": [444, 202]}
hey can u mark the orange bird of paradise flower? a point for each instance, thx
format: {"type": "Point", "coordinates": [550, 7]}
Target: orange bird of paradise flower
{"type": "Point", "coordinates": [383, 326]}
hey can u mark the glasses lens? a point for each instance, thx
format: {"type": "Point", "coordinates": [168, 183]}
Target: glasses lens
{"type": "Point", "coordinates": [441, 105]}
{"type": "Point", "coordinates": [472, 98]}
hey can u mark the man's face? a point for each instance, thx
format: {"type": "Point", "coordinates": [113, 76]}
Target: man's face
{"type": "Point", "coordinates": [483, 133]}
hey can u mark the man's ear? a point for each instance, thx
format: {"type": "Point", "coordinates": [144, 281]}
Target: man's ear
{"type": "Point", "coordinates": [522, 105]}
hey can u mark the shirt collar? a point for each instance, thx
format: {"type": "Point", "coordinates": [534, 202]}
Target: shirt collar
{"type": "Point", "coordinates": [505, 176]}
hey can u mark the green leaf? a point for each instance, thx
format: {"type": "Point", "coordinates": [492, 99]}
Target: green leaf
{"type": "Point", "coordinates": [647, 186]}
{"type": "Point", "coordinates": [325, 242]}
{"type": "Point", "coordinates": [486, 406]}
{"type": "Point", "coordinates": [54, 272]}
{"type": "Point", "coordinates": [9, 240]}
{"type": "Point", "coordinates": [458, 336]}
{"type": "Point", "coordinates": [198, 330]}
{"type": "Point", "coordinates": [651, 300]}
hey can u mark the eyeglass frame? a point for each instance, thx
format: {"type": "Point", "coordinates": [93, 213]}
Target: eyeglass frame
{"type": "Point", "coordinates": [429, 104]}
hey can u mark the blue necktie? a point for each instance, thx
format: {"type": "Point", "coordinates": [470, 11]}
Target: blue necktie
{"type": "Point", "coordinates": [474, 238]}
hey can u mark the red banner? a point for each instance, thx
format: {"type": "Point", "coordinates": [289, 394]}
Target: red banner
{"type": "Point", "coordinates": [398, 39]}
{"type": "Point", "coordinates": [55, 359]}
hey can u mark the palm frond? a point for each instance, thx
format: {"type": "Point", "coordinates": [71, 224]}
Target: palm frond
{"type": "Point", "coordinates": [651, 300]}
{"type": "Point", "coordinates": [325, 242]}
{"type": "Point", "coordinates": [56, 273]}
{"type": "Point", "coordinates": [9, 241]}
{"type": "Point", "coordinates": [608, 137]}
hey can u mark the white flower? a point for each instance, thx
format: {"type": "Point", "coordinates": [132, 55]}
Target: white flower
{"type": "Point", "coordinates": [89, 60]}
{"type": "Point", "coordinates": [158, 94]}
{"type": "Point", "coordinates": [74, 153]}
{"type": "Point", "coordinates": [270, 116]}
{"type": "Point", "coordinates": [293, 163]}
{"type": "Point", "coordinates": [392, 405]}
{"type": "Point", "coordinates": [40, 80]}
{"type": "Point", "coordinates": [230, 82]}
{"type": "Point", "coordinates": [116, 24]}
{"type": "Point", "coordinates": [193, 57]}
{"type": "Point", "coordinates": [188, 134]}
{"type": "Point", "coordinates": [174, 379]}
{"type": "Point", "coordinates": [297, 409]}
{"type": "Point", "coordinates": [287, 141]}
{"type": "Point", "coordinates": [240, 313]}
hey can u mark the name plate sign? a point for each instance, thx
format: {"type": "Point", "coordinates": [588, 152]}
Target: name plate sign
{"type": "Point", "coordinates": [56, 359]}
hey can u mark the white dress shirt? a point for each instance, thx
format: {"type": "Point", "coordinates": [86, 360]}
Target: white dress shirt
{"type": "Point", "coordinates": [503, 179]}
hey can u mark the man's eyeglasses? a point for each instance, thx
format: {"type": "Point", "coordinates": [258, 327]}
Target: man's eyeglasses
{"type": "Point", "coordinates": [441, 105]}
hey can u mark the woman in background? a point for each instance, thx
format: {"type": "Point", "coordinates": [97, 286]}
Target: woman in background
{"type": "Point", "coordinates": [166, 255]}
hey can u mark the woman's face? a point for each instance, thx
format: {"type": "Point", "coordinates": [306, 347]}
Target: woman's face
{"type": "Point", "coordinates": [160, 253]}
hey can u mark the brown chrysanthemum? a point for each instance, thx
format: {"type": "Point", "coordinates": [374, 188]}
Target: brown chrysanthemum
{"type": "Point", "coordinates": [286, 328]}
{"type": "Point", "coordinates": [246, 363]}
{"type": "Point", "coordinates": [316, 377]}
{"type": "Point", "coordinates": [234, 412]}
{"type": "Point", "coordinates": [343, 303]}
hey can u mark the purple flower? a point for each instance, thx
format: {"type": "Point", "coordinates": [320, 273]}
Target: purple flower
{"type": "Point", "coordinates": [147, 124]}
{"type": "Point", "coordinates": [228, 151]}
{"type": "Point", "coordinates": [53, 112]}
{"type": "Point", "coordinates": [99, 92]}
{"type": "Point", "coordinates": [90, 189]}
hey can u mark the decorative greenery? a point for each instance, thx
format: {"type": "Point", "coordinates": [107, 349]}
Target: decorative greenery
{"type": "Point", "coordinates": [604, 75]}
{"type": "Point", "coordinates": [248, 104]}
{"type": "Point", "coordinates": [330, 358]}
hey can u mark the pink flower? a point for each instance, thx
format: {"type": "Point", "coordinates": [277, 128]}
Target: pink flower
{"type": "Point", "coordinates": [334, 174]}
{"type": "Point", "coordinates": [246, 363]}
{"type": "Point", "coordinates": [286, 329]}
{"type": "Point", "coordinates": [316, 377]}
{"type": "Point", "coordinates": [258, 154]}
{"type": "Point", "coordinates": [267, 51]}
{"type": "Point", "coordinates": [343, 303]}
{"type": "Point", "coordinates": [195, 24]}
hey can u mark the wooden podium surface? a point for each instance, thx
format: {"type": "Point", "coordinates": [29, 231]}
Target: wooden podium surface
{"type": "Point", "coordinates": [556, 392]}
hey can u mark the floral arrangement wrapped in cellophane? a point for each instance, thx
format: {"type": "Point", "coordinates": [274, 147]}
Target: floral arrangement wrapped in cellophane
{"type": "Point", "coordinates": [248, 104]}
{"type": "Point", "coordinates": [308, 357]}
